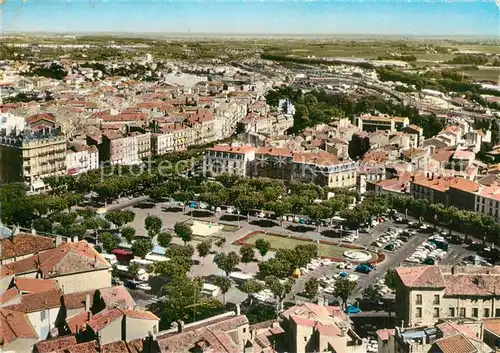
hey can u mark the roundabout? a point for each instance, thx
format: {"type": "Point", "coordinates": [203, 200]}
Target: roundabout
{"type": "Point", "coordinates": [358, 255]}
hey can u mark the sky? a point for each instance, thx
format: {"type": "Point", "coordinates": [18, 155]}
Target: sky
{"type": "Point", "coordinates": [376, 17]}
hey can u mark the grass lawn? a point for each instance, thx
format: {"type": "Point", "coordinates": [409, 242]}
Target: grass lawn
{"type": "Point", "coordinates": [279, 242]}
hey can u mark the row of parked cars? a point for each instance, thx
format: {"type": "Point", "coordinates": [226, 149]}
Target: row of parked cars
{"type": "Point", "coordinates": [393, 239]}
{"type": "Point", "coordinates": [431, 251]}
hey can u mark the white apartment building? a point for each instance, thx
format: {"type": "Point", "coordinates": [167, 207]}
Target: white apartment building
{"type": "Point", "coordinates": [488, 201]}
{"type": "Point", "coordinates": [82, 159]}
{"type": "Point", "coordinates": [130, 150]}
{"type": "Point", "coordinates": [228, 159]}
{"type": "Point", "coordinates": [382, 122]}
{"type": "Point", "coordinates": [426, 294]}
{"type": "Point", "coordinates": [10, 122]}
{"type": "Point", "coordinates": [162, 143]}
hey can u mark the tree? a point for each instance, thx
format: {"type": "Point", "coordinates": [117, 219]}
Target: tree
{"type": "Point", "coordinates": [183, 231]}
{"type": "Point", "coordinates": [220, 243]}
{"type": "Point", "coordinates": [119, 218]}
{"type": "Point", "coordinates": [133, 270]}
{"type": "Point", "coordinates": [226, 262]}
{"type": "Point", "coordinates": [224, 284]}
{"type": "Point", "coordinates": [204, 249]}
{"type": "Point", "coordinates": [153, 225]}
{"type": "Point", "coordinates": [391, 279]}
{"type": "Point", "coordinates": [247, 254]}
{"type": "Point", "coordinates": [184, 301]}
{"type": "Point", "coordinates": [141, 247]}
{"type": "Point", "coordinates": [114, 271]}
{"type": "Point", "coordinates": [42, 225]}
{"type": "Point", "coordinates": [180, 251]}
{"type": "Point", "coordinates": [312, 287]}
{"type": "Point", "coordinates": [174, 268]}
{"type": "Point", "coordinates": [263, 246]}
{"type": "Point", "coordinates": [344, 288]}
{"type": "Point", "coordinates": [128, 233]}
{"type": "Point", "coordinates": [280, 208]}
{"type": "Point", "coordinates": [251, 287]}
{"type": "Point", "coordinates": [108, 241]}
{"type": "Point", "coordinates": [318, 212]}
{"type": "Point", "coordinates": [279, 290]}
{"type": "Point", "coordinates": [164, 239]}
{"type": "Point", "coordinates": [371, 294]}
{"type": "Point", "coordinates": [274, 267]}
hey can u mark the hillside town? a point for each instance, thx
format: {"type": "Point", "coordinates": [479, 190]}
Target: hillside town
{"type": "Point", "coordinates": [267, 204]}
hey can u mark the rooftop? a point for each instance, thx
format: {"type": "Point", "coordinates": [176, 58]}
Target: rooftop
{"type": "Point", "coordinates": [14, 325]}
{"type": "Point", "coordinates": [445, 183]}
{"type": "Point", "coordinates": [24, 244]}
{"type": "Point", "coordinates": [232, 149]}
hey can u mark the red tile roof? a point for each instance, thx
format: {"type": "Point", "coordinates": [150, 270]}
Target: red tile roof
{"type": "Point", "coordinates": [87, 347]}
{"type": "Point", "coordinates": [492, 325]}
{"type": "Point", "coordinates": [136, 314]}
{"type": "Point", "coordinates": [274, 151]}
{"type": "Point", "coordinates": [55, 344]}
{"type": "Point", "coordinates": [14, 325]}
{"type": "Point", "coordinates": [9, 295]}
{"type": "Point", "coordinates": [35, 285]}
{"type": "Point", "coordinates": [38, 302]}
{"type": "Point", "coordinates": [456, 344]}
{"type": "Point", "coordinates": [104, 318]}
{"type": "Point", "coordinates": [114, 347]}
{"type": "Point", "coordinates": [421, 277]}
{"type": "Point", "coordinates": [443, 184]}
{"type": "Point", "coordinates": [67, 258]}
{"type": "Point", "coordinates": [78, 322]}
{"type": "Point", "coordinates": [328, 330]}
{"type": "Point", "coordinates": [383, 334]}
{"type": "Point", "coordinates": [24, 244]}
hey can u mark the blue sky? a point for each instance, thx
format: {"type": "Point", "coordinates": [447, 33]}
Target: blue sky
{"type": "Point", "coordinates": [477, 18]}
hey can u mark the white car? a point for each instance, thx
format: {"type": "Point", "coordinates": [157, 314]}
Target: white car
{"type": "Point", "coordinates": [341, 265]}
{"type": "Point", "coordinates": [413, 260]}
{"type": "Point", "coordinates": [144, 286]}
{"type": "Point", "coordinates": [348, 266]}
{"type": "Point", "coordinates": [353, 277]}
{"type": "Point", "coordinates": [348, 240]}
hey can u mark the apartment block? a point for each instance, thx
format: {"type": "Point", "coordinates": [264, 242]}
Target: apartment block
{"type": "Point", "coordinates": [321, 168]}
{"type": "Point", "coordinates": [269, 125]}
{"type": "Point", "coordinates": [81, 159]}
{"type": "Point", "coordinates": [426, 294]}
{"type": "Point", "coordinates": [162, 143]}
{"type": "Point", "coordinates": [143, 144]}
{"type": "Point", "coordinates": [32, 156]}
{"type": "Point", "coordinates": [487, 201]}
{"type": "Point", "coordinates": [229, 159]}
{"type": "Point", "coordinates": [117, 148]}
{"type": "Point", "coordinates": [449, 191]}
{"type": "Point", "coordinates": [381, 122]}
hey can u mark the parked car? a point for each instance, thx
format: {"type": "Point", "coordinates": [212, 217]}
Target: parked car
{"type": "Point", "coordinates": [144, 286]}
{"type": "Point", "coordinates": [352, 309]}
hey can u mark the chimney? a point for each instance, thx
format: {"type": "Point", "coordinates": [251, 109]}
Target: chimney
{"type": "Point", "coordinates": [75, 239]}
{"type": "Point", "coordinates": [58, 240]}
{"type": "Point", "coordinates": [343, 332]}
{"type": "Point", "coordinates": [87, 302]}
{"type": "Point", "coordinates": [180, 326]}
{"type": "Point", "coordinates": [88, 315]}
{"type": "Point", "coordinates": [238, 310]}
{"type": "Point", "coordinates": [33, 231]}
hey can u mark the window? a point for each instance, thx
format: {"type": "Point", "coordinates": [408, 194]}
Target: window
{"type": "Point", "coordinates": [244, 329]}
{"type": "Point", "coordinates": [436, 312]}
{"type": "Point", "coordinates": [451, 312]}
{"type": "Point", "coordinates": [419, 299]}
{"type": "Point", "coordinates": [305, 339]}
{"type": "Point", "coordinates": [462, 312]}
{"type": "Point", "coordinates": [486, 312]}
{"type": "Point", "coordinates": [497, 312]}
{"type": "Point", "coordinates": [42, 315]}
{"type": "Point", "coordinates": [475, 312]}
{"type": "Point", "coordinates": [419, 312]}
{"type": "Point", "coordinates": [436, 299]}
{"type": "Point", "coordinates": [155, 329]}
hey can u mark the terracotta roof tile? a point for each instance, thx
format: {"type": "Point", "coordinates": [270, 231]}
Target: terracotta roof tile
{"type": "Point", "coordinates": [114, 347]}
{"type": "Point", "coordinates": [421, 277]}
{"type": "Point", "coordinates": [383, 334]}
{"type": "Point", "coordinates": [24, 244]}
{"type": "Point", "coordinates": [67, 258]}
{"type": "Point", "coordinates": [104, 318]}
{"type": "Point", "coordinates": [87, 347]}
{"type": "Point", "coordinates": [78, 322]}
{"type": "Point", "coordinates": [456, 344]}
{"type": "Point", "coordinates": [38, 302]}
{"type": "Point", "coordinates": [232, 149]}
{"type": "Point", "coordinates": [14, 325]}
{"type": "Point", "coordinates": [135, 346]}
{"type": "Point", "coordinates": [492, 325]}
{"type": "Point", "coordinates": [35, 285]}
{"type": "Point", "coordinates": [9, 295]}
{"type": "Point", "coordinates": [136, 314]}
{"type": "Point", "coordinates": [55, 344]}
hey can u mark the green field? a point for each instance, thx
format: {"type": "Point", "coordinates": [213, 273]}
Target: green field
{"type": "Point", "coordinates": [280, 242]}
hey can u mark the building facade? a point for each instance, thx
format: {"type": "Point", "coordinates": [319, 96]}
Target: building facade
{"type": "Point", "coordinates": [428, 293]}
{"type": "Point", "coordinates": [228, 159]}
